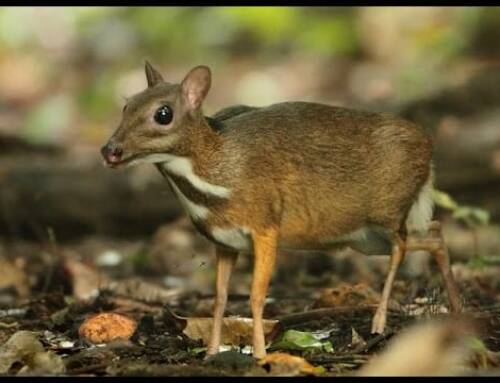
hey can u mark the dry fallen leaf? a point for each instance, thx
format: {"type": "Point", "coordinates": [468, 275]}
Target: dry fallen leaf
{"type": "Point", "coordinates": [107, 327]}
{"type": "Point", "coordinates": [235, 330]}
{"type": "Point", "coordinates": [25, 348]}
{"type": "Point", "coordinates": [13, 274]}
{"type": "Point", "coordinates": [86, 280]}
{"type": "Point", "coordinates": [280, 363]}
{"type": "Point", "coordinates": [346, 294]}
{"type": "Point", "coordinates": [143, 291]}
{"type": "Point", "coordinates": [357, 341]}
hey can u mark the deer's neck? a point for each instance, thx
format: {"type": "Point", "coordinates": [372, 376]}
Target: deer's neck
{"type": "Point", "coordinates": [192, 171]}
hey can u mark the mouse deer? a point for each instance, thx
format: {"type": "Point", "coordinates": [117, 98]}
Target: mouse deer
{"type": "Point", "coordinates": [289, 176]}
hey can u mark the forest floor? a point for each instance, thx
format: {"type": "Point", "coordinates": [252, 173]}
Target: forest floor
{"type": "Point", "coordinates": [330, 300]}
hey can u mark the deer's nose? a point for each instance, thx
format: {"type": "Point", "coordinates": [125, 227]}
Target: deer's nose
{"type": "Point", "coordinates": [112, 152]}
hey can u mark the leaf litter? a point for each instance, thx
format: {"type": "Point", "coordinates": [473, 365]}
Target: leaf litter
{"type": "Point", "coordinates": [336, 314]}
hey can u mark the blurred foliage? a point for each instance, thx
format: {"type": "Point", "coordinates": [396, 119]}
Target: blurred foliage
{"type": "Point", "coordinates": [83, 61]}
{"type": "Point", "coordinates": [472, 216]}
{"type": "Point", "coordinates": [482, 261]}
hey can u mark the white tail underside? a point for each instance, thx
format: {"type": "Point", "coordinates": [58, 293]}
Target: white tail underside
{"type": "Point", "coordinates": [420, 215]}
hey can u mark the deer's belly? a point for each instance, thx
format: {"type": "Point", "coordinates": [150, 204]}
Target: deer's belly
{"type": "Point", "coordinates": [237, 238]}
{"type": "Point", "coordinates": [368, 240]}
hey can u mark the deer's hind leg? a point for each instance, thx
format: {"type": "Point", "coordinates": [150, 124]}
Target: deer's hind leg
{"type": "Point", "coordinates": [434, 243]}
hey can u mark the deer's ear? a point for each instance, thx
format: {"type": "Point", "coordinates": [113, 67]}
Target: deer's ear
{"type": "Point", "coordinates": [196, 85]}
{"type": "Point", "coordinates": [152, 75]}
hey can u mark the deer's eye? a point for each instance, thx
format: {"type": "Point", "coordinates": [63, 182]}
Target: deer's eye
{"type": "Point", "coordinates": [124, 107]}
{"type": "Point", "coordinates": [164, 115]}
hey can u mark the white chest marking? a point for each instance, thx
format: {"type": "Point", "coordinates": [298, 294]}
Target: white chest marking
{"type": "Point", "coordinates": [238, 238]}
{"type": "Point", "coordinates": [195, 211]}
{"type": "Point", "coordinates": [182, 166]}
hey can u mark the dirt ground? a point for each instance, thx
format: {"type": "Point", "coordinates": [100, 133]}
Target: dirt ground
{"type": "Point", "coordinates": [51, 289]}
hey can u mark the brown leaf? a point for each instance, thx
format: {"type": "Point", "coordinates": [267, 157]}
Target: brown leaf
{"type": "Point", "coordinates": [346, 294]}
{"type": "Point", "coordinates": [235, 330]}
{"type": "Point", "coordinates": [280, 363]}
{"type": "Point", "coordinates": [24, 347]}
{"type": "Point", "coordinates": [357, 341]}
{"type": "Point", "coordinates": [13, 274]}
{"type": "Point", "coordinates": [138, 289]}
{"type": "Point", "coordinates": [107, 327]}
{"type": "Point", "coordinates": [86, 280]}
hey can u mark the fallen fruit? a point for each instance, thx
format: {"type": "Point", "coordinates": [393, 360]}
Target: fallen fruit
{"type": "Point", "coordinates": [107, 327]}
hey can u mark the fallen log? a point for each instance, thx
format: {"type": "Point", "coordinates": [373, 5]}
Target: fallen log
{"type": "Point", "coordinates": [75, 202]}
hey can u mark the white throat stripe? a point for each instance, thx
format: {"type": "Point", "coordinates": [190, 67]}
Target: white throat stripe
{"type": "Point", "coordinates": [197, 212]}
{"type": "Point", "coordinates": [182, 166]}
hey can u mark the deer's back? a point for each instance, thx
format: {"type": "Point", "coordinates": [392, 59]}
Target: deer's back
{"type": "Point", "coordinates": [332, 169]}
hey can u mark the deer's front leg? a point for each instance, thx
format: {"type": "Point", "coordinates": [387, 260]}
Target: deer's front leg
{"type": "Point", "coordinates": [226, 259]}
{"type": "Point", "coordinates": [265, 245]}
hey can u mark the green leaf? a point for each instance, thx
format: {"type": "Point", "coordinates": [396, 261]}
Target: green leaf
{"type": "Point", "coordinates": [476, 344]}
{"type": "Point", "coordinates": [480, 262]}
{"type": "Point", "coordinates": [140, 259]}
{"type": "Point", "coordinates": [476, 263]}
{"type": "Point", "coordinates": [473, 216]}
{"type": "Point", "coordinates": [300, 341]}
{"type": "Point", "coordinates": [327, 346]}
{"type": "Point", "coordinates": [197, 350]}
{"type": "Point", "coordinates": [444, 200]}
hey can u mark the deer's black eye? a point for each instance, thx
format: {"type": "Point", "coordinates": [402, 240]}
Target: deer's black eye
{"type": "Point", "coordinates": [164, 115]}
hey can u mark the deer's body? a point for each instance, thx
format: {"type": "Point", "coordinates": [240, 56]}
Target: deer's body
{"type": "Point", "coordinates": [294, 175]}
{"type": "Point", "coordinates": [324, 182]}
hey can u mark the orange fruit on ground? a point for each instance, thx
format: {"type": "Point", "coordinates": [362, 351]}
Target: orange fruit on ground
{"type": "Point", "coordinates": [107, 327]}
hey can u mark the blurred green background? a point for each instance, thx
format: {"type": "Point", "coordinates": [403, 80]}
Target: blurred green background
{"type": "Point", "coordinates": [65, 71]}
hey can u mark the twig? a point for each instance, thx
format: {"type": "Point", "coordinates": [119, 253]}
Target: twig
{"type": "Point", "coordinates": [8, 325]}
{"type": "Point", "coordinates": [372, 342]}
{"type": "Point", "coordinates": [126, 304]}
{"type": "Point", "coordinates": [53, 251]}
{"type": "Point", "coordinates": [347, 357]}
{"type": "Point", "coordinates": [92, 367]}
{"type": "Point", "coordinates": [297, 318]}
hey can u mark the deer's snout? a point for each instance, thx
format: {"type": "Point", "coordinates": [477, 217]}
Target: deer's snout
{"type": "Point", "coordinates": [112, 153]}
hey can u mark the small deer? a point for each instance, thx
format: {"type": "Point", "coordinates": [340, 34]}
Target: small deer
{"type": "Point", "coordinates": [290, 176]}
